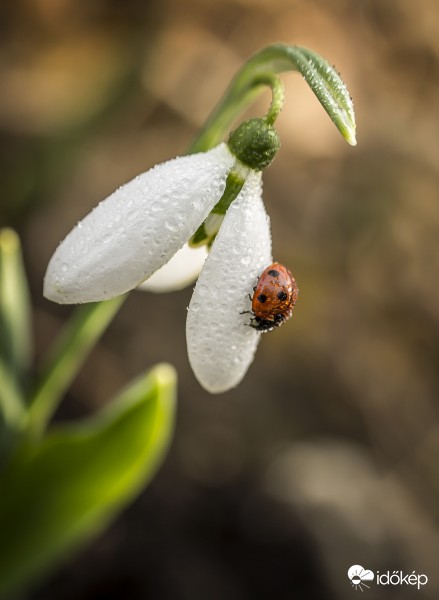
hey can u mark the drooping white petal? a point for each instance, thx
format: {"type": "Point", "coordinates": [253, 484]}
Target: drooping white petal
{"type": "Point", "coordinates": [221, 345]}
{"type": "Point", "coordinates": [182, 270]}
{"type": "Point", "coordinates": [137, 229]}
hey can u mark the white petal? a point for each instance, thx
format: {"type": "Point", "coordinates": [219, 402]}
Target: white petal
{"type": "Point", "coordinates": [182, 270]}
{"type": "Point", "coordinates": [221, 345]}
{"type": "Point", "coordinates": [137, 229]}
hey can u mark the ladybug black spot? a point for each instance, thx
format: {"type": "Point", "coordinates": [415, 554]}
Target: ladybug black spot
{"type": "Point", "coordinates": [273, 273]}
{"type": "Point", "coordinates": [282, 296]}
{"type": "Point", "coordinates": [262, 298]}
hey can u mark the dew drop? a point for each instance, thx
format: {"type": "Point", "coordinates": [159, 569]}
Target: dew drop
{"type": "Point", "coordinates": [156, 207]}
{"type": "Point", "coordinates": [171, 226]}
{"type": "Point", "coordinates": [203, 290]}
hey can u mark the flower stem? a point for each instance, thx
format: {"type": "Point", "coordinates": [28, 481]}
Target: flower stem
{"type": "Point", "coordinates": [278, 96]}
{"type": "Point", "coordinates": [67, 356]}
{"type": "Point", "coordinates": [208, 229]}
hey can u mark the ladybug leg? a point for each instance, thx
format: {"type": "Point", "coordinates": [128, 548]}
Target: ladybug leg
{"type": "Point", "coordinates": [249, 296]}
{"type": "Point", "coordinates": [246, 312]}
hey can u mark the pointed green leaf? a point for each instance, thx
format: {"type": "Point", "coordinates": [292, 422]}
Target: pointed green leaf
{"type": "Point", "coordinates": [59, 493]}
{"type": "Point", "coordinates": [329, 88]}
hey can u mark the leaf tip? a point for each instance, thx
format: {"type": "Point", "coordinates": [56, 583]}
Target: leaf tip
{"type": "Point", "coordinates": [165, 375]}
{"type": "Point", "coordinates": [9, 241]}
{"type": "Point", "coordinates": [350, 137]}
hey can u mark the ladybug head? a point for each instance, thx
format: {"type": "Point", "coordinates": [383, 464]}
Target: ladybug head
{"type": "Point", "coordinates": [261, 324]}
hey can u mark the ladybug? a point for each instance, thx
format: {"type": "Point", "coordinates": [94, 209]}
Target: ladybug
{"type": "Point", "coordinates": [274, 298]}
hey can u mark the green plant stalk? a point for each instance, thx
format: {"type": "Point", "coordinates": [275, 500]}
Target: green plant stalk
{"type": "Point", "coordinates": [12, 401]}
{"type": "Point", "coordinates": [67, 356]}
{"type": "Point", "coordinates": [208, 229]}
{"type": "Point", "coordinates": [247, 83]}
{"type": "Point", "coordinates": [278, 96]}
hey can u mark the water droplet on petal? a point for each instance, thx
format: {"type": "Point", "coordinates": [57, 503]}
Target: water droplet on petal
{"type": "Point", "coordinates": [203, 290]}
{"type": "Point", "coordinates": [171, 225]}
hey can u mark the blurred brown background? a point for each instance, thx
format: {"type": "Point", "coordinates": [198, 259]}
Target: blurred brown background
{"type": "Point", "coordinates": [327, 454]}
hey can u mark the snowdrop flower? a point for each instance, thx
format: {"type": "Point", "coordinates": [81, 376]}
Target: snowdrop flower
{"type": "Point", "coordinates": [211, 199]}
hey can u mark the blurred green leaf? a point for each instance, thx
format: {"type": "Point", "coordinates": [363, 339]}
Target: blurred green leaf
{"type": "Point", "coordinates": [322, 78]}
{"type": "Point", "coordinates": [62, 491]}
{"type": "Point", "coordinates": [15, 328]}
{"type": "Point", "coordinates": [67, 356]}
{"type": "Point", "coordinates": [12, 402]}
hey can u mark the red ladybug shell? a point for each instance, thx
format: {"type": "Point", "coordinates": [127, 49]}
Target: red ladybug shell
{"type": "Point", "coordinates": [274, 297]}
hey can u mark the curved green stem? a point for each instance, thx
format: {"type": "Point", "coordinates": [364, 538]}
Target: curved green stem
{"type": "Point", "coordinates": [278, 96]}
{"type": "Point", "coordinates": [247, 83]}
